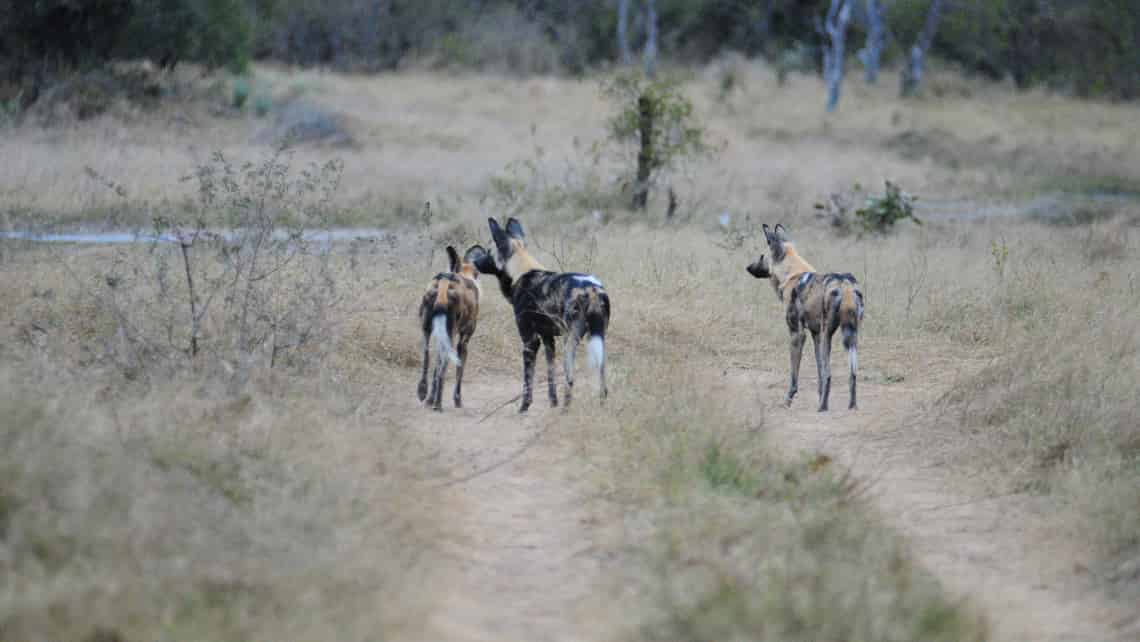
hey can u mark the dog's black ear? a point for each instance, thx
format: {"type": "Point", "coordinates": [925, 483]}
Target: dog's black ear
{"type": "Point", "coordinates": [767, 233]}
{"type": "Point", "coordinates": [514, 229]}
{"type": "Point", "coordinates": [502, 243]}
{"type": "Point", "coordinates": [453, 263]}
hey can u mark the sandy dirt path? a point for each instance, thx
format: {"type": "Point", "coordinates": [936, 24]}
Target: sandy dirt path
{"type": "Point", "coordinates": [517, 559]}
{"type": "Point", "coordinates": [517, 563]}
{"type": "Point", "coordinates": [991, 550]}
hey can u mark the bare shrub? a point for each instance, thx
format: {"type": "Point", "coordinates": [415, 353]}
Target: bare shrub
{"type": "Point", "coordinates": [241, 278]}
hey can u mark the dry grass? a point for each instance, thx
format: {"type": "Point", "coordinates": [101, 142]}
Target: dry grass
{"type": "Point", "coordinates": [182, 512]}
{"type": "Point", "coordinates": [718, 537]}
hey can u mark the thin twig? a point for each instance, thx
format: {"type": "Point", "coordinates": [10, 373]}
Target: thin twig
{"type": "Point", "coordinates": [499, 407]}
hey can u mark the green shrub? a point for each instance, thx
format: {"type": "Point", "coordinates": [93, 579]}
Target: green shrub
{"type": "Point", "coordinates": [880, 213]}
{"type": "Point", "coordinates": [240, 93]}
{"type": "Point", "coordinates": [658, 107]}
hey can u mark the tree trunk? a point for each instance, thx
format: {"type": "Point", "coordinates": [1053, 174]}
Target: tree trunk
{"type": "Point", "coordinates": [872, 53]}
{"type": "Point", "coordinates": [651, 38]}
{"type": "Point", "coordinates": [833, 56]}
{"type": "Point", "coordinates": [764, 26]}
{"type": "Point", "coordinates": [916, 61]}
{"type": "Point", "coordinates": [645, 154]}
{"type": "Point", "coordinates": [623, 33]}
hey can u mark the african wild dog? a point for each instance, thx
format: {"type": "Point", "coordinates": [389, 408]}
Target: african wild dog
{"type": "Point", "coordinates": [450, 306]}
{"type": "Point", "coordinates": [548, 304]}
{"type": "Point", "coordinates": [821, 303]}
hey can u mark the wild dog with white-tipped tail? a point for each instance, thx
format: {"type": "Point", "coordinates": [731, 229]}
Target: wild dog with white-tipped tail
{"type": "Point", "coordinates": [548, 304]}
{"type": "Point", "coordinates": [450, 310]}
{"type": "Point", "coordinates": [819, 303]}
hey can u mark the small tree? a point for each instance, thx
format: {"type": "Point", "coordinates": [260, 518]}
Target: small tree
{"type": "Point", "coordinates": [657, 121]}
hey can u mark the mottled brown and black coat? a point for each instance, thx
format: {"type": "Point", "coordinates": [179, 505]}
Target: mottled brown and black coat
{"type": "Point", "coordinates": [815, 302]}
{"type": "Point", "coordinates": [449, 310]}
{"type": "Point", "coordinates": [546, 305]}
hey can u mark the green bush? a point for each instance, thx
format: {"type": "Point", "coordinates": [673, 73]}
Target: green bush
{"type": "Point", "coordinates": [675, 134]}
{"type": "Point", "coordinates": [880, 213]}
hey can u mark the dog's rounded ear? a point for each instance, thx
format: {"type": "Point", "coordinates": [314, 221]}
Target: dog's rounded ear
{"type": "Point", "coordinates": [781, 234]}
{"type": "Point", "coordinates": [482, 260]}
{"type": "Point", "coordinates": [515, 229]}
{"type": "Point", "coordinates": [453, 263]}
{"type": "Point", "coordinates": [473, 254]}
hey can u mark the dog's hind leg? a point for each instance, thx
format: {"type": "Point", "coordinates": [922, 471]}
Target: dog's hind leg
{"type": "Point", "coordinates": [569, 351]}
{"type": "Point", "coordinates": [551, 383]}
{"type": "Point", "coordinates": [437, 381]}
{"type": "Point", "coordinates": [850, 341]}
{"type": "Point", "coordinates": [462, 350]}
{"type": "Point", "coordinates": [422, 388]}
{"type": "Point", "coordinates": [797, 352]}
{"type": "Point", "coordinates": [824, 368]}
{"type": "Point", "coordinates": [530, 352]}
{"type": "Point", "coordinates": [815, 344]}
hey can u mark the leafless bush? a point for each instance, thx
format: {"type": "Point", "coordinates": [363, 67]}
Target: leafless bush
{"type": "Point", "coordinates": [241, 278]}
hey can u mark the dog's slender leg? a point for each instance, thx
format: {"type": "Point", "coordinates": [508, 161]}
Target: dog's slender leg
{"type": "Point", "coordinates": [422, 389]}
{"type": "Point", "coordinates": [602, 381]}
{"type": "Point", "coordinates": [851, 342]}
{"type": "Point", "coordinates": [852, 362]}
{"type": "Point", "coordinates": [569, 348]}
{"type": "Point", "coordinates": [530, 352]}
{"type": "Point", "coordinates": [437, 382]}
{"type": "Point", "coordinates": [798, 336]}
{"type": "Point", "coordinates": [815, 339]}
{"type": "Point", "coordinates": [551, 384]}
{"type": "Point", "coordinates": [825, 367]}
{"type": "Point", "coordinates": [462, 350]}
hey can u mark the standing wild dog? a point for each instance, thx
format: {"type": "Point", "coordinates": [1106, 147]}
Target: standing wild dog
{"type": "Point", "coordinates": [450, 306]}
{"type": "Point", "coordinates": [548, 304]}
{"type": "Point", "coordinates": [820, 303]}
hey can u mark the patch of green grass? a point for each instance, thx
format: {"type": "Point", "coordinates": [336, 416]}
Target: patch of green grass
{"type": "Point", "coordinates": [724, 471]}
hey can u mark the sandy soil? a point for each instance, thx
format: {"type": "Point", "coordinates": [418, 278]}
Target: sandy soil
{"type": "Point", "coordinates": [991, 550]}
{"type": "Point", "coordinates": [522, 564]}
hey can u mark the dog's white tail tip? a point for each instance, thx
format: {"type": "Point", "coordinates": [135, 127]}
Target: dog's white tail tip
{"type": "Point", "coordinates": [443, 341]}
{"type": "Point", "coordinates": [596, 351]}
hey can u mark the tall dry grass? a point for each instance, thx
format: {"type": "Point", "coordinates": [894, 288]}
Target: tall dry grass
{"type": "Point", "coordinates": [718, 538]}
{"type": "Point", "coordinates": [182, 512]}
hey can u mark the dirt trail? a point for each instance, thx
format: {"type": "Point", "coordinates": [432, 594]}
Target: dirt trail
{"type": "Point", "coordinates": [517, 563]}
{"type": "Point", "coordinates": [986, 549]}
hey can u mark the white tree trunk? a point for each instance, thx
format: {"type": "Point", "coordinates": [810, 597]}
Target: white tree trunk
{"type": "Point", "coordinates": [623, 33]}
{"type": "Point", "coordinates": [916, 61]}
{"type": "Point", "coordinates": [872, 53]}
{"type": "Point", "coordinates": [650, 38]}
{"type": "Point", "coordinates": [836, 28]}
